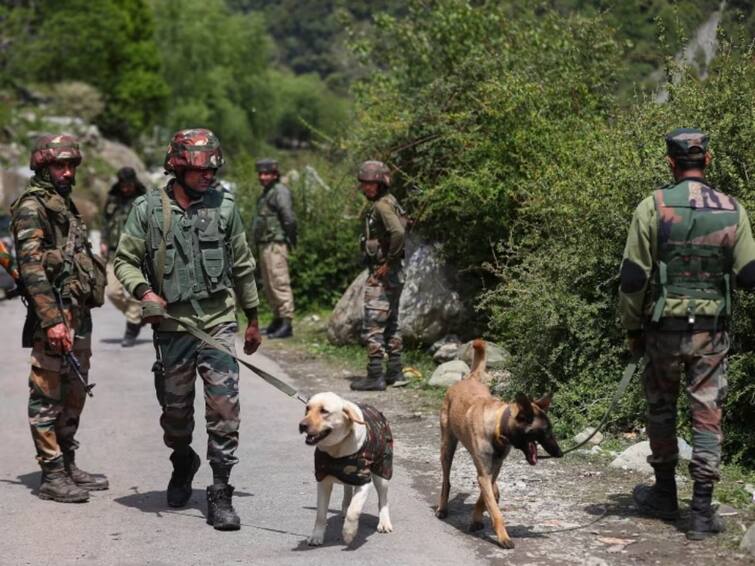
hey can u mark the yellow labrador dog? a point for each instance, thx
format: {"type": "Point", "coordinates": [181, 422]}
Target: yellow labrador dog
{"type": "Point", "coordinates": [354, 447]}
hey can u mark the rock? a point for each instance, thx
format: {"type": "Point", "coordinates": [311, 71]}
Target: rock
{"type": "Point", "coordinates": [748, 541]}
{"type": "Point", "coordinates": [118, 155]}
{"type": "Point", "coordinates": [635, 457]}
{"type": "Point", "coordinates": [446, 353]}
{"type": "Point", "coordinates": [438, 344]}
{"type": "Point", "coordinates": [497, 357]}
{"type": "Point", "coordinates": [449, 373]}
{"type": "Point", "coordinates": [345, 324]}
{"type": "Point", "coordinates": [597, 439]}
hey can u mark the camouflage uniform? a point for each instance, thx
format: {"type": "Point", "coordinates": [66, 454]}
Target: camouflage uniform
{"type": "Point", "coordinates": [117, 208]}
{"type": "Point", "coordinates": [688, 245]}
{"type": "Point", "coordinates": [208, 267]}
{"type": "Point", "coordinates": [274, 231]}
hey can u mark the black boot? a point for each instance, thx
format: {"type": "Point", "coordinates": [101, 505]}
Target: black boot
{"type": "Point", "coordinates": [659, 500]}
{"type": "Point", "coordinates": [129, 338]}
{"type": "Point", "coordinates": [220, 513]}
{"type": "Point", "coordinates": [184, 468]}
{"type": "Point", "coordinates": [394, 370]}
{"type": "Point", "coordinates": [285, 330]}
{"type": "Point", "coordinates": [273, 326]}
{"type": "Point", "coordinates": [375, 380]}
{"type": "Point", "coordinates": [90, 482]}
{"type": "Point", "coordinates": [57, 486]}
{"type": "Point", "coordinates": [704, 521]}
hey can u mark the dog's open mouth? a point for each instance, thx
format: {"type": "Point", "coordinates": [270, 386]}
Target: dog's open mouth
{"type": "Point", "coordinates": [313, 439]}
{"type": "Point", "coordinates": [531, 453]}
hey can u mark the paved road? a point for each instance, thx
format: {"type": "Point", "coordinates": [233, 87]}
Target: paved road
{"type": "Point", "coordinates": [131, 525]}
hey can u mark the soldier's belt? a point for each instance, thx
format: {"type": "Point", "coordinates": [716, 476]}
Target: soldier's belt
{"type": "Point", "coordinates": [214, 343]}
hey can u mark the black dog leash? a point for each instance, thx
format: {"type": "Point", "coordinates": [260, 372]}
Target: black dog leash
{"type": "Point", "coordinates": [214, 343]}
{"type": "Point", "coordinates": [629, 372]}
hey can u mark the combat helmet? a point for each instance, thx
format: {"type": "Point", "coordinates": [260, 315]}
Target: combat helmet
{"type": "Point", "coordinates": [266, 165]}
{"type": "Point", "coordinates": [196, 148]}
{"type": "Point", "coordinates": [52, 148]}
{"type": "Point", "coordinates": [374, 171]}
{"type": "Point", "coordinates": [687, 143]}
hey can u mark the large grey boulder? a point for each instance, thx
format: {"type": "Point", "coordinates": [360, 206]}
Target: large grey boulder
{"type": "Point", "coordinates": [345, 324]}
{"type": "Point", "coordinates": [748, 541]}
{"type": "Point", "coordinates": [449, 373]}
{"type": "Point", "coordinates": [496, 357]}
{"type": "Point", "coordinates": [635, 457]}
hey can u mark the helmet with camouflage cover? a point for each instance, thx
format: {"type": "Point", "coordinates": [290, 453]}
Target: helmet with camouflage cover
{"type": "Point", "coordinates": [266, 165]}
{"type": "Point", "coordinates": [687, 143]}
{"type": "Point", "coordinates": [196, 148]}
{"type": "Point", "coordinates": [52, 148]}
{"type": "Point", "coordinates": [375, 172]}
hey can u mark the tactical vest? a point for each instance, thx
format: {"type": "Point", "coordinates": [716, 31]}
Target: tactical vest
{"type": "Point", "coordinates": [697, 230]}
{"type": "Point", "coordinates": [197, 259]}
{"type": "Point", "coordinates": [267, 225]}
{"type": "Point", "coordinates": [116, 213]}
{"type": "Point", "coordinates": [74, 271]}
{"type": "Point", "coordinates": [375, 239]}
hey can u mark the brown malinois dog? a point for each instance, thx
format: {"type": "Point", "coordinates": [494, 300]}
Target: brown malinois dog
{"type": "Point", "coordinates": [488, 428]}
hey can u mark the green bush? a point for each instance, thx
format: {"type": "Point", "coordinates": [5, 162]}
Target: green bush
{"type": "Point", "coordinates": [507, 132]}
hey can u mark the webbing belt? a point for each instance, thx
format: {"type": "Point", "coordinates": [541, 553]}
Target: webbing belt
{"type": "Point", "coordinates": [214, 343]}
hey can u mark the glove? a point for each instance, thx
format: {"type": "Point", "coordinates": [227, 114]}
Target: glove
{"type": "Point", "coordinates": [636, 344]}
{"type": "Point", "coordinates": [252, 337]}
{"type": "Point", "coordinates": [59, 337]}
{"type": "Point", "coordinates": [153, 308]}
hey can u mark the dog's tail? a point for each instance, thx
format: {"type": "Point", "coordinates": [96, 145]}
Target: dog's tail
{"type": "Point", "coordinates": [478, 361]}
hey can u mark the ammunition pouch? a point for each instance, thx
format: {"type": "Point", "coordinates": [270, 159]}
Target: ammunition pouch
{"type": "Point", "coordinates": [373, 250]}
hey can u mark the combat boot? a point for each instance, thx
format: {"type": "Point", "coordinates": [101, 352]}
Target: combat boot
{"type": "Point", "coordinates": [285, 330]}
{"type": "Point", "coordinates": [659, 500]}
{"type": "Point", "coordinates": [220, 513]}
{"type": "Point", "coordinates": [704, 521]}
{"type": "Point", "coordinates": [129, 338]}
{"type": "Point", "coordinates": [394, 371]}
{"type": "Point", "coordinates": [272, 327]}
{"type": "Point", "coordinates": [57, 486]}
{"type": "Point", "coordinates": [184, 468]}
{"type": "Point", "coordinates": [90, 482]}
{"type": "Point", "coordinates": [375, 380]}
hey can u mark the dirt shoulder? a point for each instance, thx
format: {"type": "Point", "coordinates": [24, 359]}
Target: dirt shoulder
{"type": "Point", "coordinates": [571, 511]}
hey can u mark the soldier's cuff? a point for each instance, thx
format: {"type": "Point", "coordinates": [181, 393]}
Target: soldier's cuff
{"type": "Point", "coordinates": [48, 323]}
{"type": "Point", "coordinates": [141, 290]}
{"type": "Point", "coordinates": [251, 314]}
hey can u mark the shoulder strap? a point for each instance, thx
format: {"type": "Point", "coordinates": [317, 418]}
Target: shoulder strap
{"type": "Point", "coordinates": [160, 258]}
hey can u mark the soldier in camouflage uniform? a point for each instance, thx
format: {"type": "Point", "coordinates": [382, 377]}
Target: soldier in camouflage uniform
{"type": "Point", "coordinates": [119, 201]}
{"type": "Point", "coordinates": [383, 247]}
{"type": "Point", "coordinates": [62, 280]}
{"type": "Point", "coordinates": [688, 246]}
{"type": "Point", "coordinates": [190, 238]}
{"type": "Point", "coordinates": [274, 230]}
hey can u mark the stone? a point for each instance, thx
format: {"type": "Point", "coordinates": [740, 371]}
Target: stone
{"type": "Point", "coordinates": [449, 373]}
{"type": "Point", "coordinates": [748, 541]}
{"type": "Point", "coordinates": [438, 344]}
{"type": "Point", "coordinates": [446, 353]}
{"type": "Point", "coordinates": [496, 356]}
{"type": "Point", "coordinates": [635, 457]}
{"type": "Point", "coordinates": [597, 439]}
{"type": "Point", "coordinates": [345, 323]}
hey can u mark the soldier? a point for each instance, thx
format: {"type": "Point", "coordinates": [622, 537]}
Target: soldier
{"type": "Point", "coordinates": [62, 280]}
{"type": "Point", "coordinates": [274, 231]}
{"type": "Point", "coordinates": [383, 247]}
{"type": "Point", "coordinates": [190, 238]}
{"type": "Point", "coordinates": [119, 201]}
{"type": "Point", "coordinates": [688, 245]}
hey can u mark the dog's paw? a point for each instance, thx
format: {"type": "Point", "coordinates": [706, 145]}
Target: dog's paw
{"type": "Point", "coordinates": [315, 540]}
{"type": "Point", "coordinates": [385, 526]}
{"type": "Point", "coordinates": [349, 531]}
{"type": "Point", "coordinates": [441, 513]}
{"type": "Point", "coordinates": [475, 526]}
{"type": "Point", "coordinates": [505, 542]}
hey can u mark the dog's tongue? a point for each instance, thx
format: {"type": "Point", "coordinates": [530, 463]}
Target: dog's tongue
{"type": "Point", "coordinates": [532, 453]}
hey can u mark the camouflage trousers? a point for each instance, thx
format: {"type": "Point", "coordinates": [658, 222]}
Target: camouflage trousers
{"type": "Point", "coordinates": [275, 279]}
{"type": "Point", "coordinates": [700, 358]}
{"type": "Point", "coordinates": [121, 298]}
{"type": "Point", "coordinates": [380, 328]}
{"type": "Point", "coordinates": [183, 357]}
{"type": "Point", "coordinates": [56, 398]}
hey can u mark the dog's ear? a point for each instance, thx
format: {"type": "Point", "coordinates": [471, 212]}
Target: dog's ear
{"type": "Point", "coordinates": [351, 414]}
{"type": "Point", "coordinates": [525, 412]}
{"type": "Point", "coordinates": [544, 402]}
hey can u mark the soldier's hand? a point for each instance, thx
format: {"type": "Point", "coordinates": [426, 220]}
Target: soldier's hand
{"type": "Point", "coordinates": [103, 249]}
{"type": "Point", "coordinates": [60, 338]}
{"type": "Point", "coordinates": [153, 307]}
{"type": "Point", "coordinates": [252, 337]}
{"type": "Point", "coordinates": [381, 272]}
{"type": "Point", "coordinates": [636, 345]}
